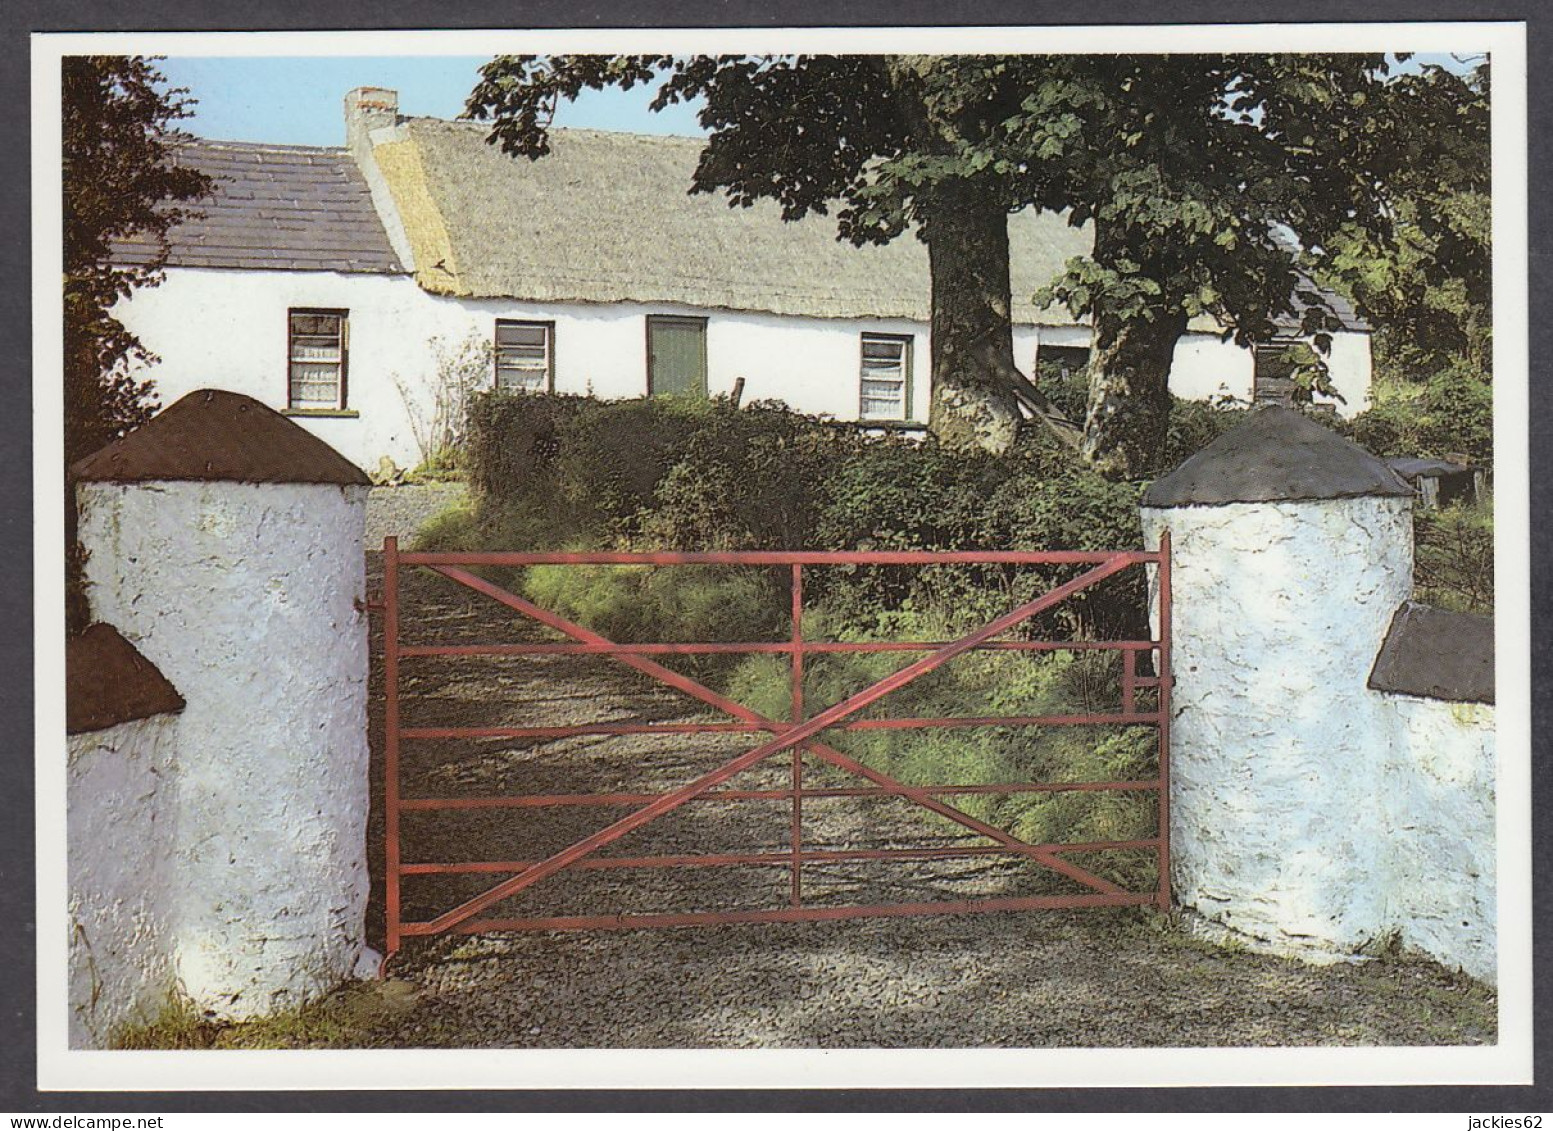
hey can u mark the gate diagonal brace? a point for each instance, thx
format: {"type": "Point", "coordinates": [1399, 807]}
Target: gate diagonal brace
{"type": "Point", "coordinates": [788, 737]}
{"type": "Point", "coordinates": [925, 799]}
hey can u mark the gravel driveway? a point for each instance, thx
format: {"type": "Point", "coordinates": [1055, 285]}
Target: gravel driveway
{"type": "Point", "coordinates": [1099, 977]}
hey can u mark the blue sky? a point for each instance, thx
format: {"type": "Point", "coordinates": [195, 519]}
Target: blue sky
{"type": "Point", "coordinates": [297, 100]}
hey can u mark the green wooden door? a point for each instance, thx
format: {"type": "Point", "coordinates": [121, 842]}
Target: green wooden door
{"type": "Point", "coordinates": [676, 356]}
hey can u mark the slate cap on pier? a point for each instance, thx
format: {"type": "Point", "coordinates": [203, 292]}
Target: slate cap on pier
{"type": "Point", "coordinates": [1277, 455]}
{"type": "Point", "coordinates": [1437, 654]}
{"type": "Point", "coordinates": [216, 435]}
{"type": "Point", "coordinates": [108, 682]}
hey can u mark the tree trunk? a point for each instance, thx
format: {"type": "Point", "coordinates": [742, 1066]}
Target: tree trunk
{"type": "Point", "coordinates": [977, 390]}
{"type": "Point", "coordinates": [973, 403]}
{"type": "Point", "coordinates": [1129, 393]}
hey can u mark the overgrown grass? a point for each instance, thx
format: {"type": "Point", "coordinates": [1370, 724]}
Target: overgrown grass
{"type": "Point", "coordinates": [985, 684]}
{"type": "Point", "coordinates": [351, 1016]}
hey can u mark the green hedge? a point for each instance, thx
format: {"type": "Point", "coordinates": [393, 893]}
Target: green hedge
{"type": "Point", "coordinates": [554, 471]}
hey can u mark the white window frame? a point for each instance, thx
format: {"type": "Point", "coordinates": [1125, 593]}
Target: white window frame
{"type": "Point", "coordinates": [340, 363]}
{"type": "Point", "coordinates": [877, 374]}
{"type": "Point", "coordinates": [501, 362]}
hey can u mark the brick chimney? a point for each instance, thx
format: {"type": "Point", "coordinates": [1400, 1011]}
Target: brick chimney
{"type": "Point", "coordinates": [368, 108]}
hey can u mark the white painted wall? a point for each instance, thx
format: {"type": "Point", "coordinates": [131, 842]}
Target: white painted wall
{"type": "Point", "coordinates": [227, 329]}
{"type": "Point", "coordinates": [1350, 365]}
{"type": "Point", "coordinates": [1441, 795]}
{"type": "Point", "coordinates": [1309, 814]}
{"type": "Point", "coordinates": [1278, 749]}
{"type": "Point", "coordinates": [248, 599]}
{"type": "Point", "coordinates": [1205, 367]}
{"type": "Point", "coordinates": [120, 875]}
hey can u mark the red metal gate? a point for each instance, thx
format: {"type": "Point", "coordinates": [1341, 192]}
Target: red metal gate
{"type": "Point", "coordinates": [798, 735]}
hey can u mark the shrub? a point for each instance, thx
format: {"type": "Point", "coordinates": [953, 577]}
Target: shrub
{"type": "Point", "coordinates": [898, 496]}
{"type": "Point", "coordinates": [1068, 391]}
{"type": "Point", "coordinates": [1194, 425]}
{"type": "Point", "coordinates": [1454, 549]}
{"type": "Point", "coordinates": [512, 441]}
{"type": "Point", "coordinates": [1451, 414]}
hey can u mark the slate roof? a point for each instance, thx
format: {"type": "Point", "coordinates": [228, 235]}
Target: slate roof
{"type": "Point", "coordinates": [278, 208]}
{"type": "Point", "coordinates": [1436, 654]}
{"type": "Point", "coordinates": [108, 682]}
{"type": "Point", "coordinates": [211, 434]}
{"type": "Point", "coordinates": [1412, 468]}
{"type": "Point", "coordinates": [1278, 454]}
{"type": "Point", "coordinates": [1335, 304]}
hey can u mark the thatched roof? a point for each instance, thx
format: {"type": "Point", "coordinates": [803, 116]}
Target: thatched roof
{"type": "Point", "coordinates": [607, 217]}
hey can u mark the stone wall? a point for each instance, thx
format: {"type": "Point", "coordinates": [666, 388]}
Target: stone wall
{"type": "Point", "coordinates": [1332, 744]}
{"type": "Point", "coordinates": [250, 598]}
{"type": "Point", "coordinates": [224, 545]}
{"type": "Point", "coordinates": [120, 870]}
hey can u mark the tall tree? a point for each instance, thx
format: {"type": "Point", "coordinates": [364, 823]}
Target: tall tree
{"type": "Point", "coordinates": [1429, 289]}
{"type": "Point", "coordinates": [120, 182]}
{"type": "Point", "coordinates": [882, 139]}
{"type": "Point", "coordinates": [1200, 177]}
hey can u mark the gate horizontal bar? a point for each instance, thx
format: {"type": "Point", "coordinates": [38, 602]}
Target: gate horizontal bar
{"type": "Point", "coordinates": [795, 735]}
{"type": "Point", "coordinates": [545, 801]}
{"type": "Point", "coordinates": [783, 859]}
{"type": "Point", "coordinates": [582, 729]}
{"type": "Point", "coordinates": [783, 915]}
{"type": "Point", "coordinates": [779, 557]}
{"type": "Point", "coordinates": [769, 647]}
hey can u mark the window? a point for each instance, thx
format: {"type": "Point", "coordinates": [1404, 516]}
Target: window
{"type": "Point", "coordinates": [1061, 362]}
{"type": "Point", "coordinates": [886, 378]}
{"type": "Point", "coordinates": [1273, 372]}
{"type": "Point", "coordinates": [317, 342]}
{"type": "Point", "coordinates": [525, 356]}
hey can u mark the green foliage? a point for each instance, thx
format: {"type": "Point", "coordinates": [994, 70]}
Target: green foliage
{"type": "Point", "coordinates": [1428, 289]}
{"type": "Point", "coordinates": [1449, 415]}
{"type": "Point", "coordinates": [120, 183]}
{"type": "Point", "coordinates": [1454, 568]}
{"type": "Point", "coordinates": [453, 530]}
{"type": "Point", "coordinates": [982, 683]}
{"type": "Point", "coordinates": [552, 471]}
{"type": "Point", "coordinates": [1196, 424]}
{"type": "Point", "coordinates": [1068, 392]}
{"type": "Point", "coordinates": [669, 604]}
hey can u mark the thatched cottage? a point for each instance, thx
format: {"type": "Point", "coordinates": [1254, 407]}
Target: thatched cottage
{"type": "Point", "coordinates": [328, 283]}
